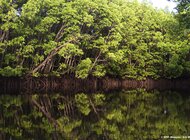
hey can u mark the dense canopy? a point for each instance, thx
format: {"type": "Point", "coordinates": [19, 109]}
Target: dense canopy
{"type": "Point", "coordinates": [121, 38]}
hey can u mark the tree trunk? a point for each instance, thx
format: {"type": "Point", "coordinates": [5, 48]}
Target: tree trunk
{"type": "Point", "coordinates": [48, 59]}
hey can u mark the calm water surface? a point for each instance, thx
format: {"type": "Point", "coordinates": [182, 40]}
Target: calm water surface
{"type": "Point", "coordinates": [124, 115]}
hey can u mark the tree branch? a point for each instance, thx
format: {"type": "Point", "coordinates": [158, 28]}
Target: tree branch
{"type": "Point", "coordinates": [51, 119]}
{"type": "Point", "coordinates": [48, 58]}
{"type": "Point", "coordinates": [60, 33]}
{"type": "Point", "coordinates": [96, 60]}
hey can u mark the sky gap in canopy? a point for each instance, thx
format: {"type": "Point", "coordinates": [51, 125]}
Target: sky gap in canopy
{"type": "Point", "coordinates": [162, 4]}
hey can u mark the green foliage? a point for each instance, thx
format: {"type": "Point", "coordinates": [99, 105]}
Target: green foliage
{"type": "Point", "coordinates": [115, 115]}
{"type": "Point", "coordinates": [26, 124]}
{"type": "Point", "coordinates": [174, 68]}
{"type": "Point", "coordinates": [119, 115]}
{"type": "Point", "coordinates": [83, 68]}
{"type": "Point", "coordinates": [48, 127]}
{"type": "Point", "coordinates": [122, 38]}
{"type": "Point", "coordinates": [99, 99]}
{"type": "Point", "coordinates": [67, 125]}
{"type": "Point", "coordinates": [99, 71]}
{"type": "Point", "coordinates": [83, 103]}
{"type": "Point", "coordinates": [8, 71]}
{"type": "Point", "coordinates": [70, 50]}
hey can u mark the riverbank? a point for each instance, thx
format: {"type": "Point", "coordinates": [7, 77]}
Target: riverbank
{"type": "Point", "coordinates": [15, 85]}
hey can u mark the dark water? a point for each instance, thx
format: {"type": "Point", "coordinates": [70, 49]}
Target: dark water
{"type": "Point", "coordinates": [124, 115]}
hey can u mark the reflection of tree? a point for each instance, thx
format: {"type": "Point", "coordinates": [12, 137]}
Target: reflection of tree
{"type": "Point", "coordinates": [46, 113]}
{"type": "Point", "coordinates": [36, 116]}
{"type": "Point", "coordinates": [142, 114]}
{"type": "Point", "coordinates": [135, 114]}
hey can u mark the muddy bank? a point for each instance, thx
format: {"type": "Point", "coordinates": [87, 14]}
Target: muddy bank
{"type": "Point", "coordinates": [14, 85]}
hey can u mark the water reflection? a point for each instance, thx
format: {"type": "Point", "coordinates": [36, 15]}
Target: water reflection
{"type": "Point", "coordinates": [125, 115]}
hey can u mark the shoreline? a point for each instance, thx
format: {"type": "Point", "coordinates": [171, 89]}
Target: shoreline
{"type": "Point", "coordinates": [12, 85]}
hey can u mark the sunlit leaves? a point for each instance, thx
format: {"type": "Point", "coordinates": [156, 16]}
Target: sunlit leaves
{"type": "Point", "coordinates": [48, 47]}
{"type": "Point", "coordinates": [83, 68]}
{"type": "Point", "coordinates": [99, 71]}
{"type": "Point", "coordinates": [123, 38]}
{"type": "Point", "coordinates": [8, 71]}
{"type": "Point", "coordinates": [70, 50]}
{"type": "Point", "coordinates": [31, 9]}
{"type": "Point", "coordinates": [46, 24]}
{"type": "Point", "coordinates": [18, 41]}
{"type": "Point", "coordinates": [27, 50]}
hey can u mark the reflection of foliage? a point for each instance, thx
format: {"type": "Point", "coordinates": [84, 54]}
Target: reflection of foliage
{"type": "Point", "coordinates": [67, 125]}
{"type": "Point", "coordinates": [48, 127]}
{"type": "Point", "coordinates": [99, 99]}
{"type": "Point", "coordinates": [83, 103]}
{"type": "Point", "coordinates": [135, 114]}
{"type": "Point", "coordinates": [115, 115]}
